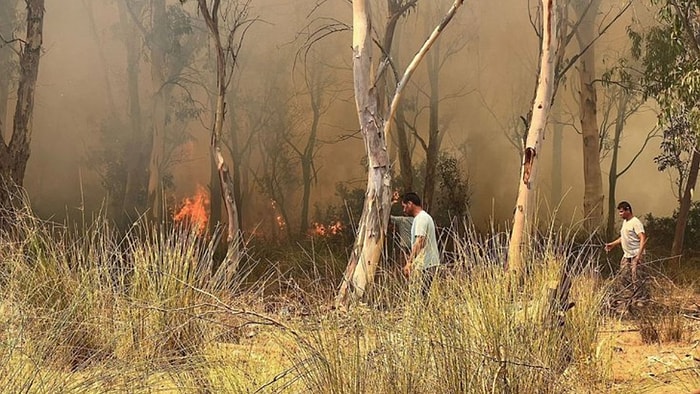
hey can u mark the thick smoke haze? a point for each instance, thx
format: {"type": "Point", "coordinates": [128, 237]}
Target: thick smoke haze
{"type": "Point", "coordinates": [488, 84]}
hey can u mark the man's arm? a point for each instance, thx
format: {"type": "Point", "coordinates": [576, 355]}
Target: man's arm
{"type": "Point", "coordinates": [418, 246]}
{"type": "Point", "coordinates": [642, 243]}
{"type": "Point", "coordinates": [609, 246]}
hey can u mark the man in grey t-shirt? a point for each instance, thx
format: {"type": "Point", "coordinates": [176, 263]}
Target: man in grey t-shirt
{"type": "Point", "coordinates": [424, 257]}
{"type": "Point", "coordinates": [632, 238]}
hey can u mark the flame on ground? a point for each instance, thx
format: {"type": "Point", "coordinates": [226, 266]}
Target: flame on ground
{"type": "Point", "coordinates": [194, 210]}
{"type": "Point", "coordinates": [322, 230]}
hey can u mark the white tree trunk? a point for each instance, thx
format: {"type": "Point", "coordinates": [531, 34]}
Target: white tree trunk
{"type": "Point", "coordinates": [369, 243]}
{"type": "Point", "coordinates": [535, 135]}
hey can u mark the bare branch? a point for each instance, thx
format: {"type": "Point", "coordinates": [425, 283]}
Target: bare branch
{"type": "Point", "coordinates": [417, 59]}
{"type": "Point", "coordinates": [653, 133]}
{"type": "Point", "coordinates": [12, 41]}
{"type": "Point", "coordinates": [563, 70]}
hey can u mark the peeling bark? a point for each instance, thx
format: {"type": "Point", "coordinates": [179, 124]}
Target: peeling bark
{"type": "Point", "coordinates": [369, 242]}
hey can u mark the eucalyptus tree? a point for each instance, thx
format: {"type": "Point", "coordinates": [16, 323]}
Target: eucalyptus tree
{"type": "Point", "coordinates": [227, 25]}
{"type": "Point", "coordinates": [670, 54]}
{"type": "Point", "coordinates": [14, 154]}
{"type": "Point", "coordinates": [375, 123]}
{"type": "Point", "coordinates": [550, 41]}
{"type": "Point", "coordinates": [586, 12]}
{"type": "Point", "coordinates": [561, 62]}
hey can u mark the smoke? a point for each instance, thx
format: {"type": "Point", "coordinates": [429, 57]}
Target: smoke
{"type": "Point", "coordinates": [490, 81]}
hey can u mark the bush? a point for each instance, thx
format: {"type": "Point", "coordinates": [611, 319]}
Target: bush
{"type": "Point", "coordinates": [661, 231]}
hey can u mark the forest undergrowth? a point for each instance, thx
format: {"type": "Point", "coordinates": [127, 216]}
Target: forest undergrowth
{"type": "Point", "coordinates": [89, 310]}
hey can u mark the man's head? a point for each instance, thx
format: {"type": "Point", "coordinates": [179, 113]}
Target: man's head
{"type": "Point", "coordinates": [624, 209]}
{"type": "Point", "coordinates": [411, 204]}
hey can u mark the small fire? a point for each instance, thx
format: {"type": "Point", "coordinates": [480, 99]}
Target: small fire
{"type": "Point", "coordinates": [322, 230]}
{"type": "Point", "coordinates": [195, 210]}
{"type": "Point", "coordinates": [279, 219]}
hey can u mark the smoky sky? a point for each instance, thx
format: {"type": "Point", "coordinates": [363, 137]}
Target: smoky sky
{"type": "Point", "coordinates": [488, 84]}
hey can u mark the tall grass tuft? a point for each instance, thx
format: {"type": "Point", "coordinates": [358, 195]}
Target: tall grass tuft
{"type": "Point", "coordinates": [74, 300]}
{"type": "Point", "coordinates": [482, 330]}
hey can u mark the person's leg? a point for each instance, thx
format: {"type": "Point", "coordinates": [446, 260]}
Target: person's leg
{"type": "Point", "coordinates": [634, 263]}
{"type": "Point", "coordinates": [624, 268]}
{"type": "Point", "coordinates": [427, 277]}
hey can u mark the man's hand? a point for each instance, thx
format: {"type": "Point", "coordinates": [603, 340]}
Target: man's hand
{"type": "Point", "coordinates": [407, 269]}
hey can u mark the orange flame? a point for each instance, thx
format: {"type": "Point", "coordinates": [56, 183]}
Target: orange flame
{"type": "Point", "coordinates": [322, 230]}
{"type": "Point", "coordinates": [195, 210]}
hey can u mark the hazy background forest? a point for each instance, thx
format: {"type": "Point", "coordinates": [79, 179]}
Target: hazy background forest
{"type": "Point", "coordinates": [146, 113]}
{"type": "Point", "coordinates": [485, 85]}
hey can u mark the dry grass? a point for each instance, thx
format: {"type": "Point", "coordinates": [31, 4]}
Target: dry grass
{"type": "Point", "coordinates": [93, 311]}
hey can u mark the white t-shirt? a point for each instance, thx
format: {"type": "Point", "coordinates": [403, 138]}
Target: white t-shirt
{"type": "Point", "coordinates": [423, 225]}
{"type": "Point", "coordinates": [629, 235]}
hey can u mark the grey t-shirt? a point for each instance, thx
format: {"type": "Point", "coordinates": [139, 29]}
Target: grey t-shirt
{"type": "Point", "coordinates": [423, 225]}
{"type": "Point", "coordinates": [629, 235]}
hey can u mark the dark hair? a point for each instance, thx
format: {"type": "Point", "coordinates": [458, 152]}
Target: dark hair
{"type": "Point", "coordinates": [625, 206]}
{"type": "Point", "coordinates": [411, 197]}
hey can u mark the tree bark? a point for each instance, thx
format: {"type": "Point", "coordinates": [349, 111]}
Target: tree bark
{"type": "Point", "coordinates": [685, 202]}
{"type": "Point", "coordinates": [7, 22]}
{"type": "Point", "coordinates": [557, 147]}
{"type": "Point", "coordinates": [613, 174]}
{"type": "Point", "coordinates": [540, 110]}
{"type": "Point", "coordinates": [434, 137]}
{"type": "Point", "coordinates": [369, 242]}
{"type": "Point", "coordinates": [158, 48]}
{"type": "Point", "coordinates": [211, 18]}
{"type": "Point", "coordinates": [374, 220]}
{"type": "Point", "coordinates": [14, 156]}
{"type": "Point", "coordinates": [136, 181]}
{"type": "Point", "coordinates": [592, 176]}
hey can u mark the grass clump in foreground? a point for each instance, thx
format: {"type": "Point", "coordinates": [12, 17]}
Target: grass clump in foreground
{"type": "Point", "coordinates": [481, 331]}
{"type": "Point", "coordinates": [95, 311]}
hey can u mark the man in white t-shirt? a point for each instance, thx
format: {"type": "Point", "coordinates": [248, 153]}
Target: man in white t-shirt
{"type": "Point", "coordinates": [632, 238]}
{"type": "Point", "coordinates": [424, 257]}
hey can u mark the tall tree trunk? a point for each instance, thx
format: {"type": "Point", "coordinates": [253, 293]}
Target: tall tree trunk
{"type": "Point", "coordinates": [369, 242]}
{"type": "Point", "coordinates": [14, 156]}
{"type": "Point", "coordinates": [557, 147]}
{"type": "Point", "coordinates": [685, 202]}
{"type": "Point", "coordinates": [434, 137]}
{"type": "Point", "coordinates": [592, 176]}
{"type": "Point", "coordinates": [158, 120]}
{"type": "Point", "coordinates": [372, 228]}
{"type": "Point", "coordinates": [238, 157]}
{"type": "Point", "coordinates": [8, 20]}
{"type": "Point", "coordinates": [211, 18]}
{"type": "Point", "coordinates": [215, 204]}
{"type": "Point", "coordinates": [307, 160]}
{"type": "Point", "coordinates": [613, 174]}
{"type": "Point", "coordinates": [397, 9]}
{"type": "Point", "coordinates": [136, 181]}
{"type": "Point", "coordinates": [540, 110]}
